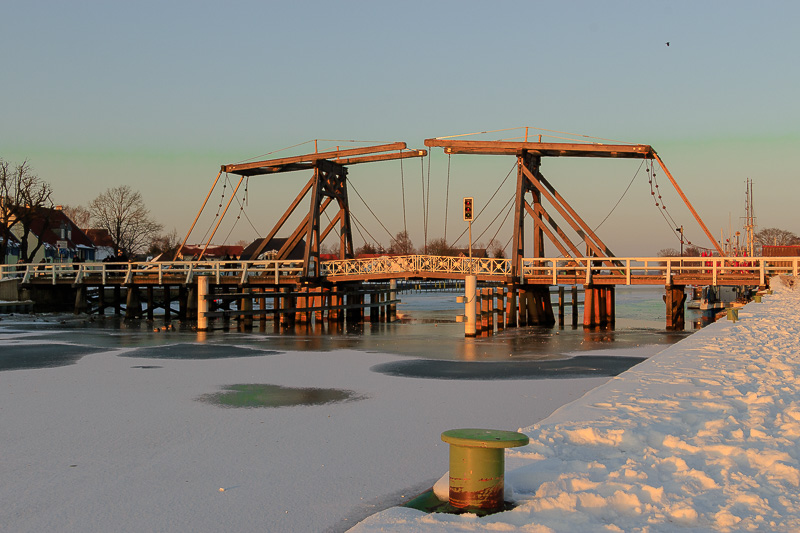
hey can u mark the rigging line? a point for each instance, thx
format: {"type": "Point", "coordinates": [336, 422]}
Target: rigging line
{"type": "Point", "coordinates": [424, 218]}
{"type": "Point", "coordinates": [621, 197]}
{"type": "Point", "coordinates": [365, 229]}
{"type": "Point", "coordinates": [357, 229]}
{"type": "Point", "coordinates": [403, 187]}
{"type": "Point", "coordinates": [370, 210]}
{"type": "Point", "coordinates": [447, 194]}
{"type": "Point", "coordinates": [274, 152]}
{"type": "Point", "coordinates": [508, 213]}
{"type": "Point", "coordinates": [428, 207]}
{"type": "Point", "coordinates": [211, 225]}
{"type": "Point", "coordinates": [495, 218]}
{"type": "Point", "coordinates": [487, 203]}
{"type": "Point", "coordinates": [243, 212]}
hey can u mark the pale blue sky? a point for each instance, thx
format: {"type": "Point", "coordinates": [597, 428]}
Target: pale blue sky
{"type": "Point", "coordinates": [157, 95]}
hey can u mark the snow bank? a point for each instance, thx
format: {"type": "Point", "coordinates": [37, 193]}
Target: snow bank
{"type": "Point", "coordinates": [701, 437]}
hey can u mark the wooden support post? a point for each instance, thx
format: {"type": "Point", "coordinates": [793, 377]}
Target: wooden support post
{"type": "Point", "coordinates": [80, 299]}
{"type": "Point", "coordinates": [675, 300]}
{"type": "Point", "coordinates": [560, 306]}
{"type": "Point", "coordinates": [246, 305]}
{"type": "Point", "coordinates": [392, 296]}
{"type": "Point", "coordinates": [149, 302]}
{"type": "Point", "coordinates": [500, 293]}
{"type": "Point", "coordinates": [101, 300]}
{"type": "Point", "coordinates": [374, 311]}
{"type": "Point", "coordinates": [511, 306]}
{"type": "Point", "coordinates": [167, 304]}
{"type": "Point", "coordinates": [183, 303]}
{"type": "Point", "coordinates": [117, 300]}
{"type": "Point", "coordinates": [318, 304]}
{"type": "Point", "coordinates": [262, 306]}
{"type": "Point", "coordinates": [588, 306]}
{"type": "Point", "coordinates": [133, 305]}
{"type": "Point", "coordinates": [574, 306]}
{"type": "Point", "coordinates": [522, 299]}
{"type": "Point", "coordinates": [485, 311]}
{"type": "Point", "coordinates": [611, 318]}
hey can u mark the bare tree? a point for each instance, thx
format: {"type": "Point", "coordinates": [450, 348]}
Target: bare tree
{"type": "Point", "coordinates": [776, 237]}
{"type": "Point", "coordinates": [80, 215]}
{"type": "Point", "coordinates": [401, 244]}
{"type": "Point", "coordinates": [439, 247]}
{"type": "Point", "coordinates": [166, 245]}
{"type": "Point", "coordinates": [121, 211]}
{"type": "Point", "coordinates": [24, 197]}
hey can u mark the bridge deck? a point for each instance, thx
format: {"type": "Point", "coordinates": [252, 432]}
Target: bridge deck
{"type": "Point", "coordinates": [535, 271]}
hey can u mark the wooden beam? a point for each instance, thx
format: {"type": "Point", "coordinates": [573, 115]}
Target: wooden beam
{"type": "Point", "coordinates": [381, 157]}
{"type": "Point", "coordinates": [634, 151]}
{"type": "Point", "coordinates": [310, 158]}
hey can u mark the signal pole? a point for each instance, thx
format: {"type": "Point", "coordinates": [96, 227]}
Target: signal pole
{"type": "Point", "coordinates": [470, 280]}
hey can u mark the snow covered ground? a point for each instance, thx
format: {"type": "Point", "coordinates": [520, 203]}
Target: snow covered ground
{"type": "Point", "coordinates": [701, 437]}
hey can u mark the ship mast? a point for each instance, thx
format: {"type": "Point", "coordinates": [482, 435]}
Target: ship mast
{"type": "Point", "coordinates": [750, 219]}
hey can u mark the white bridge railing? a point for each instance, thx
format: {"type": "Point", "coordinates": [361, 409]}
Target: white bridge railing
{"type": "Point", "coordinates": [422, 264]}
{"type": "Point", "coordinates": [183, 272]}
{"type": "Point", "coordinates": [713, 270]}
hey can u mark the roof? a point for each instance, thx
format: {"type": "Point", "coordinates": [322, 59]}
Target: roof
{"type": "Point", "coordinates": [100, 237]}
{"type": "Point", "coordinates": [47, 224]}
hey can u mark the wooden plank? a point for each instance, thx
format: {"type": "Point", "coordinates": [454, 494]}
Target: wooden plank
{"type": "Point", "coordinates": [635, 151]}
{"type": "Point", "coordinates": [310, 158]}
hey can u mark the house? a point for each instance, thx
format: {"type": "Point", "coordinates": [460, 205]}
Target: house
{"type": "Point", "coordinates": [212, 252]}
{"type": "Point", "coordinates": [12, 250]}
{"type": "Point", "coordinates": [103, 243]}
{"type": "Point", "coordinates": [62, 240]}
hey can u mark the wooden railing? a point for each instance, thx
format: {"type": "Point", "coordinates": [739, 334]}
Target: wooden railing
{"type": "Point", "coordinates": [552, 271]}
{"type": "Point", "coordinates": [180, 272]}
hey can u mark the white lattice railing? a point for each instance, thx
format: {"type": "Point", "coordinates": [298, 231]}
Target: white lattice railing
{"type": "Point", "coordinates": [713, 270]}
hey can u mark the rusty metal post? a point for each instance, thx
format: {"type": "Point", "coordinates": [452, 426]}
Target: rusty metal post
{"type": "Point", "coordinates": [477, 466]}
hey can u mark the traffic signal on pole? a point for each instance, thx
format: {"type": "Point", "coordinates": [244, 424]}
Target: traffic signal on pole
{"type": "Point", "coordinates": [468, 209]}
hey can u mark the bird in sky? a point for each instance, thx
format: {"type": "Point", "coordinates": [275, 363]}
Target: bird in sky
{"type": "Point", "coordinates": [667, 43]}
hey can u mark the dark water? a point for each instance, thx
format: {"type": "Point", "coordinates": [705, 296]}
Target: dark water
{"type": "Point", "coordinates": [427, 334]}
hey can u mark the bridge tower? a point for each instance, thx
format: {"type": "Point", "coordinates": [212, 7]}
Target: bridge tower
{"type": "Point", "coordinates": [328, 184]}
{"type": "Point", "coordinates": [535, 303]}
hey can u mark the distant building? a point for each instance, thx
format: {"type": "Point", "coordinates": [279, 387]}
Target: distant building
{"type": "Point", "coordinates": [212, 252]}
{"type": "Point", "coordinates": [62, 240]}
{"type": "Point", "coordinates": [103, 243]}
{"type": "Point", "coordinates": [791, 250]}
{"type": "Point", "coordinates": [271, 249]}
{"type": "Point", "coordinates": [12, 250]}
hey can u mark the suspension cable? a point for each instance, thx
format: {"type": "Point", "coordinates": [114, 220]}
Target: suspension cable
{"type": "Point", "coordinates": [487, 203]}
{"type": "Point", "coordinates": [621, 197]}
{"type": "Point", "coordinates": [370, 210]}
{"type": "Point", "coordinates": [496, 217]}
{"type": "Point", "coordinates": [447, 194]}
{"type": "Point", "coordinates": [403, 188]}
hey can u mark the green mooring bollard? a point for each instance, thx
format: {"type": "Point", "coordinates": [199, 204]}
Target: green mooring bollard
{"type": "Point", "coordinates": [733, 315]}
{"type": "Point", "coordinates": [757, 298]}
{"type": "Point", "coordinates": [477, 466]}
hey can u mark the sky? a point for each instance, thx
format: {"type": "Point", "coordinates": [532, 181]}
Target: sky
{"type": "Point", "coordinates": [158, 95]}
